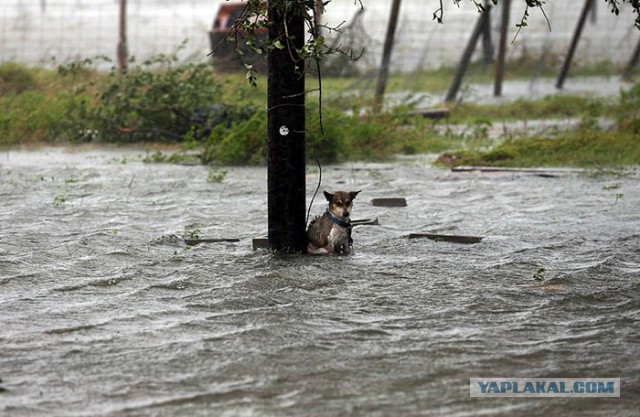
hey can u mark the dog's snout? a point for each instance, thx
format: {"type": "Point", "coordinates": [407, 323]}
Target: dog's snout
{"type": "Point", "coordinates": [345, 213]}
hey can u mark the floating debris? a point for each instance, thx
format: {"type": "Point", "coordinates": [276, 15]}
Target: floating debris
{"type": "Point", "coordinates": [389, 202]}
{"type": "Point", "coordinates": [447, 238]}
{"type": "Point", "coordinates": [538, 171]}
{"type": "Point", "coordinates": [193, 242]}
{"type": "Point", "coordinates": [365, 222]}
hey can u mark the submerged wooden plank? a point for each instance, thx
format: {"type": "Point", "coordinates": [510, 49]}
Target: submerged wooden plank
{"type": "Point", "coordinates": [447, 238]}
{"type": "Point", "coordinates": [389, 202]}
{"type": "Point", "coordinates": [193, 242]}
{"type": "Point", "coordinates": [365, 222]}
{"type": "Point", "coordinates": [539, 171]}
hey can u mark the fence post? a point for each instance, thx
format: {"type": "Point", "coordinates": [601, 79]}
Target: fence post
{"type": "Point", "coordinates": [632, 62]}
{"type": "Point", "coordinates": [122, 37]}
{"type": "Point", "coordinates": [502, 48]}
{"type": "Point", "coordinates": [386, 55]}
{"type": "Point", "coordinates": [574, 44]}
{"type": "Point", "coordinates": [478, 30]}
{"type": "Point", "coordinates": [487, 43]}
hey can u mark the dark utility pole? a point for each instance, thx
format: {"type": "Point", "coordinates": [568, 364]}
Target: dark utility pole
{"type": "Point", "coordinates": [122, 37]}
{"type": "Point", "coordinates": [286, 132]}
{"type": "Point", "coordinates": [386, 55]}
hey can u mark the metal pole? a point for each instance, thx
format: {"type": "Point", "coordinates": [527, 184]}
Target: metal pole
{"type": "Point", "coordinates": [286, 132]}
{"type": "Point", "coordinates": [574, 43]}
{"type": "Point", "coordinates": [383, 75]}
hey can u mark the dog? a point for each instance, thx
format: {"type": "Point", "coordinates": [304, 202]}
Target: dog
{"type": "Point", "coordinates": [331, 232]}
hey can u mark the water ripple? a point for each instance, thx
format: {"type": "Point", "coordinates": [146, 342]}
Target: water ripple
{"type": "Point", "coordinates": [105, 311]}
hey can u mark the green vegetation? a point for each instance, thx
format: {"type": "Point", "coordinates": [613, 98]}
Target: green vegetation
{"type": "Point", "coordinates": [221, 120]}
{"type": "Point", "coordinates": [587, 146]}
{"type": "Point", "coordinates": [192, 231]}
{"type": "Point", "coordinates": [216, 175]}
{"type": "Point", "coordinates": [551, 107]}
{"type": "Point", "coordinates": [59, 200]}
{"type": "Point", "coordinates": [577, 149]}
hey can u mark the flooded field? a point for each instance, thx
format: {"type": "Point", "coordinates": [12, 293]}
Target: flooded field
{"type": "Point", "coordinates": [104, 311]}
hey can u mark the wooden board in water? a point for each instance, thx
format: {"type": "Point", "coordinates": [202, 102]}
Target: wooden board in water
{"type": "Point", "coordinates": [193, 242]}
{"type": "Point", "coordinates": [389, 202]}
{"type": "Point", "coordinates": [447, 238]}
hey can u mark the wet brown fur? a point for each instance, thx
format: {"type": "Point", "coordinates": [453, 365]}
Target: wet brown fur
{"type": "Point", "coordinates": [325, 236]}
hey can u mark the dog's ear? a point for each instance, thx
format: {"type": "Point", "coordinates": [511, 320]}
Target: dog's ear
{"type": "Point", "coordinates": [353, 194]}
{"type": "Point", "coordinates": [328, 196]}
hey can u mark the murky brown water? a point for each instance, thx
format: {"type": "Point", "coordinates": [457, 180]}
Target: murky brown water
{"type": "Point", "coordinates": [105, 312]}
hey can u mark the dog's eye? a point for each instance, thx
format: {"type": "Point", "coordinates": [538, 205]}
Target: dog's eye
{"type": "Point", "coordinates": [339, 204]}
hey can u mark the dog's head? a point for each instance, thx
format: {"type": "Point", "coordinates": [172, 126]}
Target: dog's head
{"type": "Point", "coordinates": [341, 203]}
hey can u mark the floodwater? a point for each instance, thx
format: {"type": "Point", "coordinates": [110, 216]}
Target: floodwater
{"type": "Point", "coordinates": [537, 88]}
{"type": "Point", "coordinates": [104, 311]}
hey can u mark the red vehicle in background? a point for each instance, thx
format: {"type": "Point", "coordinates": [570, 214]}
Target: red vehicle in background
{"type": "Point", "coordinates": [227, 37]}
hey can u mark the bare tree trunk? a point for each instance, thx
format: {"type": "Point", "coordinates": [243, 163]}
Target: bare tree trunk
{"type": "Point", "coordinates": [122, 37]}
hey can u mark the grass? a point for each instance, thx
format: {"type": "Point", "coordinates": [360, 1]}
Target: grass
{"type": "Point", "coordinates": [558, 106]}
{"type": "Point", "coordinates": [80, 104]}
{"type": "Point", "coordinates": [587, 146]}
{"type": "Point", "coordinates": [576, 149]}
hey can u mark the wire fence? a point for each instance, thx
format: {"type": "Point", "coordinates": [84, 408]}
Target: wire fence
{"type": "Point", "coordinates": [41, 31]}
{"type": "Point", "coordinates": [38, 31]}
